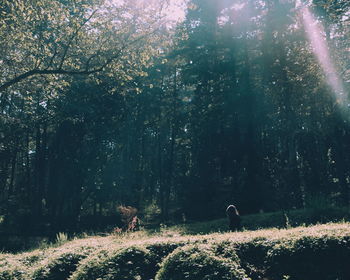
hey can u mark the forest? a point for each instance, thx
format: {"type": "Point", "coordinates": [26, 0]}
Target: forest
{"type": "Point", "coordinates": [176, 108]}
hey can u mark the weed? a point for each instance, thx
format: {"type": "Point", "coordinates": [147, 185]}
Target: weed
{"type": "Point", "coordinates": [61, 238]}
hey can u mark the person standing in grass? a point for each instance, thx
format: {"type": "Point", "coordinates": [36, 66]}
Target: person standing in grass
{"type": "Point", "coordinates": [233, 217]}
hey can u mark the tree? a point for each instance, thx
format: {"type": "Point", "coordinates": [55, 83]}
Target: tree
{"type": "Point", "coordinates": [47, 134]}
{"type": "Point", "coordinates": [66, 37]}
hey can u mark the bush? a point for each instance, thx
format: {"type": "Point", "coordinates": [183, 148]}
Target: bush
{"type": "Point", "coordinates": [92, 267]}
{"type": "Point", "coordinates": [163, 249]}
{"type": "Point", "coordinates": [198, 262]}
{"type": "Point", "coordinates": [131, 263]}
{"type": "Point", "coordinates": [225, 249]}
{"type": "Point", "coordinates": [253, 256]}
{"type": "Point", "coordinates": [59, 268]}
{"type": "Point", "coordinates": [128, 215]}
{"type": "Point", "coordinates": [10, 274]}
{"type": "Point", "coordinates": [32, 259]}
{"type": "Point", "coordinates": [11, 270]}
{"type": "Point", "coordinates": [152, 212]}
{"type": "Point", "coordinates": [321, 258]}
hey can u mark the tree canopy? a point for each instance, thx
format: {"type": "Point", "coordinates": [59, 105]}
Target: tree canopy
{"type": "Point", "coordinates": [108, 103]}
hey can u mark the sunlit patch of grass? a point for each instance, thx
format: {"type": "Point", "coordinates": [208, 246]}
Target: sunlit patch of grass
{"type": "Point", "coordinates": [11, 268]}
{"type": "Point", "coordinates": [219, 225]}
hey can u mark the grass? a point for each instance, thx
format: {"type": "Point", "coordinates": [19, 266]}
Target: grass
{"type": "Point", "coordinates": [305, 252]}
{"type": "Point", "coordinates": [271, 246]}
{"type": "Point", "coordinates": [279, 219]}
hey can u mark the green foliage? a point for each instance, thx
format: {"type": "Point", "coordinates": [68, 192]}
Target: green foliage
{"type": "Point", "coordinates": [307, 216]}
{"type": "Point", "coordinates": [160, 250]}
{"type": "Point", "coordinates": [66, 44]}
{"type": "Point", "coordinates": [59, 268]}
{"type": "Point", "coordinates": [277, 219]}
{"type": "Point", "coordinates": [318, 202]}
{"type": "Point", "coordinates": [198, 262]}
{"type": "Point", "coordinates": [264, 220]}
{"type": "Point", "coordinates": [226, 250]}
{"type": "Point", "coordinates": [321, 258]}
{"type": "Point", "coordinates": [151, 212]}
{"type": "Point", "coordinates": [11, 269]}
{"type": "Point", "coordinates": [12, 273]}
{"type": "Point", "coordinates": [253, 255]}
{"type": "Point", "coordinates": [318, 252]}
{"type": "Point", "coordinates": [123, 264]}
{"type": "Point", "coordinates": [32, 259]}
{"type": "Point", "coordinates": [229, 105]}
{"type": "Point", "coordinates": [19, 268]}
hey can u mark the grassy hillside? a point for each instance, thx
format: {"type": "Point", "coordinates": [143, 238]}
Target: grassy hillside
{"type": "Point", "coordinates": [315, 252]}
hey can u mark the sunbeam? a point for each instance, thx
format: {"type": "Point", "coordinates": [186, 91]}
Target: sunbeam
{"type": "Point", "coordinates": [314, 31]}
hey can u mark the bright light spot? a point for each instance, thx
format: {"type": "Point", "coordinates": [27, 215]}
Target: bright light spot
{"type": "Point", "coordinates": [173, 10]}
{"type": "Point", "coordinates": [222, 20]}
{"type": "Point", "coordinates": [315, 31]}
{"type": "Point", "coordinates": [237, 6]}
{"type": "Point", "coordinates": [115, 2]}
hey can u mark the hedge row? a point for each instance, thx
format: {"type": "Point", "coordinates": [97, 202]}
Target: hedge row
{"type": "Point", "coordinates": [319, 252]}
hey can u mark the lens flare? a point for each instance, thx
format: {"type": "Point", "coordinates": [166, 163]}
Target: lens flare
{"type": "Point", "coordinates": [315, 34]}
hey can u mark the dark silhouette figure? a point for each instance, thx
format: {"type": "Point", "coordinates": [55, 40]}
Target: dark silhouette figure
{"type": "Point", "coordinates": [233, 217]}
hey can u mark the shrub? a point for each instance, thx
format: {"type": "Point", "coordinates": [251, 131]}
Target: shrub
{"type": "Point", "coordinates": [131, 263]}
{"type": "Point", "coordinates": [11, 270]}
{"type": "Point", "coordinates": [198, 262]}
{"type": "Point", "coordinates": [61, 238]}
{"type": "Point", "coordinates": [92, 267]}
{"type": "Point", "coordinates": [253, 255]}
{"type": "Point", "coordinates": [11, 274]}
{"type": "Point", "coordinates": [59, 268]}
{"type": "Point", "coordinates": [163, 249]}
{"type": "Point", "coordinates": [225, 249]}
{"type": "Point", "coordinates": [321, 258]}
{"type": "Point", "coordinates": [129, 218]}
{"type": "Point", "coordinates": [152, 212]}
{"type": "Point", "coordinates": [31, 259]}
